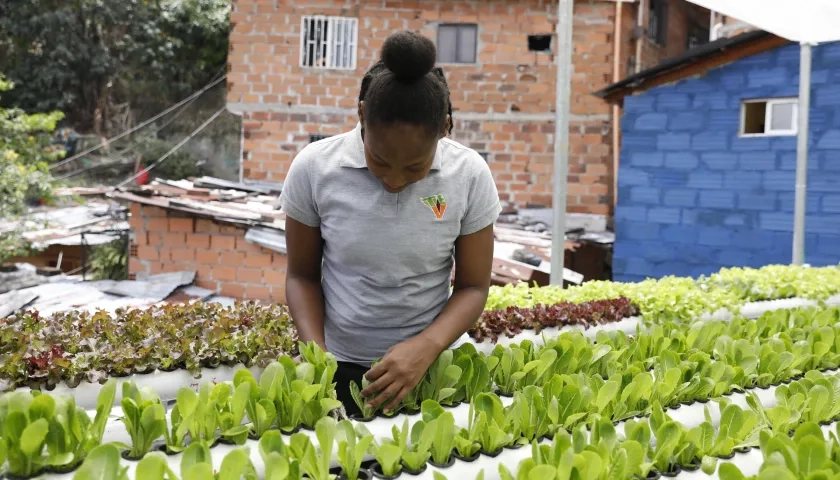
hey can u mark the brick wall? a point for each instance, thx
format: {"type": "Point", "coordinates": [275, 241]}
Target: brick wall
{"type": "Point", "coordinates": [167, 241]}
{"type": "Point", "coordinates": [504, 103]}
{"type": "Point", "coordinates": [694, 196]}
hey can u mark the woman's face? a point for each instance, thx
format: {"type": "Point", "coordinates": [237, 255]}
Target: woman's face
{"type": "Point", "coordinates": [399, 154]}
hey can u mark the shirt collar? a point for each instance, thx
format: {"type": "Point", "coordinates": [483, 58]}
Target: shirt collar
{"type": "Point", "coordinates": [356, 153]}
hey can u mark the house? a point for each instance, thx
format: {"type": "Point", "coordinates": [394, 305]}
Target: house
{"type": "Point", "coordinates": [62, 238]}
{"type": "Point", "coordinates": [294, 76]}
{"type": "Point", "coordinates": [295, 70]}
{"type": "Point", "coordinates": [708, 159]}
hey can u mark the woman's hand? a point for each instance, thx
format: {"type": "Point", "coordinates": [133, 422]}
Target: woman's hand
{"type": "Point", "coordinates": [400, 370]}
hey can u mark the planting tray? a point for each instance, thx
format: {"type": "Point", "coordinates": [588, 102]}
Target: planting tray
{"type": "Point", "coordinates": [166, 384]}
{"type": "Point", "coordinates": [749, 463]}
{"type": "Point", "coordinates": [628, 326]}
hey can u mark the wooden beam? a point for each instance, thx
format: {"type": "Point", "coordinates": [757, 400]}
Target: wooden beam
{"type": "Point", "coordinates": [700, 66]}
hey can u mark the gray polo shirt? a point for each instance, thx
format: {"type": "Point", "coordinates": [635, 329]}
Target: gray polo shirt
{"type": "Point", "coordinates": [388, 257]}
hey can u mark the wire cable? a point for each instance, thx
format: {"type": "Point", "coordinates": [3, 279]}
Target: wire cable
{"type": "Point", "coordinates": [128, 148]}
{"type": "Point", "coordinates": [141, 125]}
{"type": "Point", "coordinates": [174, 149]}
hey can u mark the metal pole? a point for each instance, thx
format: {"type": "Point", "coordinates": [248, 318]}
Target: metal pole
{"type": "Point", "coordinates": [802, 154]}
{"type": "Point", "coordinates": [565, 9]}
{"type": "Point", "coordinates": [84, 257]}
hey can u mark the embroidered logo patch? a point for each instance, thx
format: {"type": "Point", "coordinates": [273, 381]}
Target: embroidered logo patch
{"type": "Point", "coordinates": [437, 203]}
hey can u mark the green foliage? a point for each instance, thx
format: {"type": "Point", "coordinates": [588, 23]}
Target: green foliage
{"type": "Point", "coordinates": [86, 56]}
{"type": "Point", "coordinates": [24, 158]}
{"type": "Point", "coordinates": [178, 166]}
{"type": "Point", "coordinates": [109, 261]}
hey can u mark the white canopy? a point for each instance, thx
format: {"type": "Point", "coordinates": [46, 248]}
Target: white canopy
{"type": "Point", "coordinates": [803, 21]}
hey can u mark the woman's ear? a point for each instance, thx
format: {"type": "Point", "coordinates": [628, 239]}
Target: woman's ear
{"type": "Point", "coordinates": [361, 112]}
{"type": "Point", "coordinates": [447, 127]}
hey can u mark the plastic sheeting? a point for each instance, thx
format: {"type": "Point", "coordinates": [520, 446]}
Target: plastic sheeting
{"type": "Point", "coordinates": [804, 21]}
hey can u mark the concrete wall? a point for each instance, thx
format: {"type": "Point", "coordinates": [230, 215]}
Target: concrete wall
{"type": "Point", "coordinates": [694, 196]}
{"type": "Point", "coordinates": [504, 103]}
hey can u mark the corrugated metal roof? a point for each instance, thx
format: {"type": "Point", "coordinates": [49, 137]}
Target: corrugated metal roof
{"type": "Point", "coordinates": [44, 226]}
{"type": "Point", "coordinates": [68, 293]}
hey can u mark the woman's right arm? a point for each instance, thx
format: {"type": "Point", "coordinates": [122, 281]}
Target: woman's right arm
{"type": "Point", "coordinates": [304, 248]}
{"type": "Point", "coordinates": [303, 280]}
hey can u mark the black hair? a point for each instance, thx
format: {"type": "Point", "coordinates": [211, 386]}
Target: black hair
{"type": "Point", "coordinates": [405, 85]}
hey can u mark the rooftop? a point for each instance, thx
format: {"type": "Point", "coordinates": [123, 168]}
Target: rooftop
{"type": "Point", "coordinates": [693, 62]}
{"type": "Point", "coordinates": [62, 293]}
{"type": "Point", "coordinates": [99, 221]}
{"type": "Point", "coordinates": [523, 237]}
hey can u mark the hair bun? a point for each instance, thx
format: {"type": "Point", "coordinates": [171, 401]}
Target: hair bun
{"type": "Point", "coordinates": [409, 55]}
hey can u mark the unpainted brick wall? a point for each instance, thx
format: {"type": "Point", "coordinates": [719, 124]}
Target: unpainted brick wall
{"type": "Point", "coordinates": [221, 257]}
{"type": "Point", "coordinates": [504, 104]}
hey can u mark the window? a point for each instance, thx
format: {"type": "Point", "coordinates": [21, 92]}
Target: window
{"type": "Point", "coordinates": [456, 43]}
{"type": "Point", "coordinates": [328, 42]}
{"type": "Point", "coordinates": [657, 30]}
{"type": "Point", "coordinates": [485, 156]}
{"type": "Point", "coordinates": [697, 35]}
{"type": "Point", "coordinates": [769, 117]}
{"type": "Point", "coordinates": [316, 136]}
{"type": "Point", "coordinates": [539, 43]}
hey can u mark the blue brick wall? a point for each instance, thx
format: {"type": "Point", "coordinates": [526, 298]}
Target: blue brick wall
{"type": "Point", "coordinates": [695, 197]}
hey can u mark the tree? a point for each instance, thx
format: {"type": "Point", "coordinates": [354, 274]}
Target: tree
{"type": "Point", "coordinates": [25, 153]}
{"type": "Point", "coordinates": [97, 60]}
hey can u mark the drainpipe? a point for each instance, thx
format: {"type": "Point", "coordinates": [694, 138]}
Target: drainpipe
{"type": "Point", "coordinates": [616, 110]}
{"type": "Point", "coordinates": [640, 22]}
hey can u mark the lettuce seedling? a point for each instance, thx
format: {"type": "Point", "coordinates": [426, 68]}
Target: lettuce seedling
{"type": "Point", "coordinates": [291, 394]}
{"type": "Point", "coordinates": [104, 405]}
{"type": "Point", "coordinates": [356, 393]}
{"type": "Point", "coordinates": [506, 367]}
{"type": "Point", "coordinates": [315, 463]}
{"type": "Point", "coordinates": [199, 414]}
{"type": "Point", "coordinates": [324, 365]}
{"type": "Point", "coordinates": [259, 409]}
{"type": "Point", "coordinates": [176, 434]}
{"type": "Point", "coordinates": [416, 455]}
{"type": "Point", "coordinates": [668, 438]}
{"type": "Point", "coordinates": [70, 432]}
{"type": "Point", "coordinates": [352, 448]}
{"type": "Point", "coordinates": [143, 416]}
{"type": "Point", "coordinates": [443, 437]}
{"type": "Point", "coordinates": [231, 411]}
{"type": "Point", "coordinates": [102, 463]}
{"type": "Point", "coordinates": [441, 381]}
{"type": "Point", "coordinates": [388, 456]}
{"type": "Point", "coordinates": [195, 462]}
{"type": "Point", "coordinates": [480, 381]}
{"type": "Point", "coordinates": [154, 466]}
{"type": "Point", "coordinates": [467, 439]}
{"type": "Point", "coordinates": [237, 466]}
{"type": "Point", "coordinates": [26, 419]}
{"type": "Point", "coordinates": [279, 467]}
{"type": "Point", "coordinates": [317, 393]}
{"type": "Point", "coordinates": [280, 464]}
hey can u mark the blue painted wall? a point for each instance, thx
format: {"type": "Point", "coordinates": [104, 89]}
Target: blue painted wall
{"type": "Point", "coordinates": [693, 196]}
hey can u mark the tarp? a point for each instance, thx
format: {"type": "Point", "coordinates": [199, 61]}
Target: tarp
{"type": "Point", "coordinates": [803, 21]}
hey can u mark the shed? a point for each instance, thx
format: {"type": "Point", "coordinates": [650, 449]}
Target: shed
{"type": "Point", "coordinates": [708, 158]}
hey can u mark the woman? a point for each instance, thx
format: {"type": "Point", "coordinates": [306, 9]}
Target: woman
{"type": "Point", "coordinates": [374, 218]}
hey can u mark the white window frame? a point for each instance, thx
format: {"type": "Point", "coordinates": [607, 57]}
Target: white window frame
{"type": "Point", "coordinates": [768, 117]}
{"type": "Point", "coordinates": [330, 60]}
